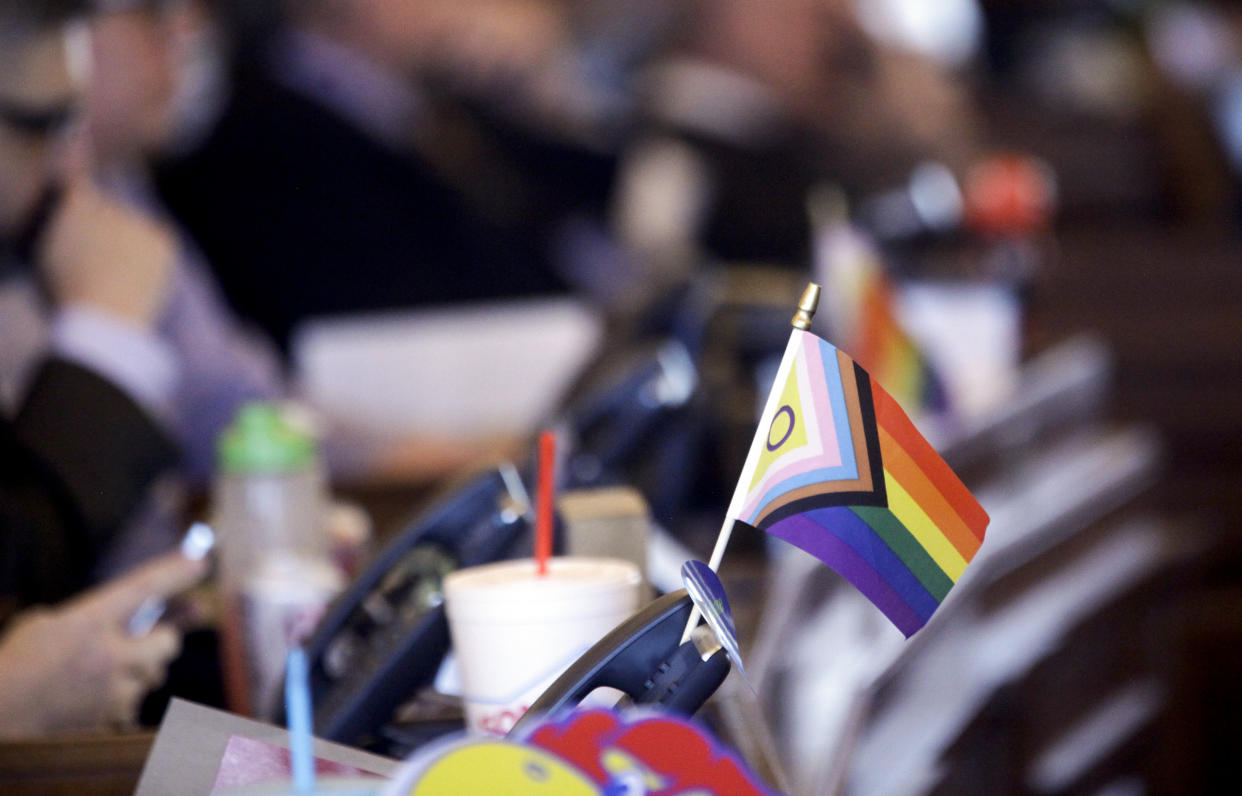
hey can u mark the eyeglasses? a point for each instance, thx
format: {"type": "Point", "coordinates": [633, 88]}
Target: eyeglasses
{"type": "Point", "coordinates": [44, 122]}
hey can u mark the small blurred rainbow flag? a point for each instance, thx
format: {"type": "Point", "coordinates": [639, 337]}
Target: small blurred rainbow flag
{"type": "Point", "coordinates": [890, 352]}
{"type": "Point", "coordinates": [837, 469]}
{"type": "Point", "coordinates": [862, 316]}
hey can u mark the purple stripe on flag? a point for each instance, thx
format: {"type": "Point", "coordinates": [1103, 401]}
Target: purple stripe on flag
{"type": "Point", "coordinates": [802, 532]}
{"type": "Point", "coordinates": [871, 547]}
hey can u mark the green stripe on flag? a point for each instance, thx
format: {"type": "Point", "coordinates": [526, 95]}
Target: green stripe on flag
{"type": "Point", "coordinates": [907, 548]}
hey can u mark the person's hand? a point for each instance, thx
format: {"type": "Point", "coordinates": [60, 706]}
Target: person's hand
{"type": "Point", "coordinates": [76, 667]}
{"type": "Point", "coordinates": [104, 255]}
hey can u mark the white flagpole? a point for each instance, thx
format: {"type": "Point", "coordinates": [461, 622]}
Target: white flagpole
{"type": "Point", "coordinates": [801, 321]}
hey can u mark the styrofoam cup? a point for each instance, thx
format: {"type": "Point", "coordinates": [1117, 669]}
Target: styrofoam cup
{"type": "Point", "coordinates": [514, 631]}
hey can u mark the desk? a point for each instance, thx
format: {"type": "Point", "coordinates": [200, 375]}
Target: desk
{"type": "Point", "coordinates": [99, 764]}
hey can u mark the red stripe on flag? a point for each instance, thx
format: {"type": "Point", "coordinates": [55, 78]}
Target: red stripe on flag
{"type": "Point", "coordinates": [914, 480]}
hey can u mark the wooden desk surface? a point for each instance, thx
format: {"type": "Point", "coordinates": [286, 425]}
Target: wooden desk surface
{"type": "Point", "coordinates": [96, 763]}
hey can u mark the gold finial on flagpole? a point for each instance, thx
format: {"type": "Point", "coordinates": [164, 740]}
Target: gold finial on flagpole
{"type": "Point", "coordinates": [806, 307]}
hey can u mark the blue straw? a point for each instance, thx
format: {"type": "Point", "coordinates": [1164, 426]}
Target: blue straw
{"type": "Point", "coordinates": [298, 709]}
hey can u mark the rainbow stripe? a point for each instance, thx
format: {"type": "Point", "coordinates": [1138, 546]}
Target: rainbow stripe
{"type": "Point", "coordinates": [890, 354]}
{"type": "Point", "coordinates": [861, 312]}
{"type": "Point", "coordinates": [838, 469]}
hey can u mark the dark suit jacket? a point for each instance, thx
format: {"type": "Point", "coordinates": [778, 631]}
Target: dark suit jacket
{"type": "Point", "coordinates": [302, 215]}
{"type": "Point", "coordinates": [74, 464]}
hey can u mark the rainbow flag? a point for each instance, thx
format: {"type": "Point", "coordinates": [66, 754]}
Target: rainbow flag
{"type": "Point", "coordinates": [889, 352]}
{"type": "Point", "coordinates": [838, 469]}
{"type": "Point", "coordinates": [862, 315]}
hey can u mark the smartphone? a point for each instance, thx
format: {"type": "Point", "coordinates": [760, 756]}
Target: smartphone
{"type": "Point", "coordinates": [197, 542]}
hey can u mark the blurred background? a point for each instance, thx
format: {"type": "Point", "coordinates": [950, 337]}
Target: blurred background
{"type": "Point", "coordinates": [446, 223]}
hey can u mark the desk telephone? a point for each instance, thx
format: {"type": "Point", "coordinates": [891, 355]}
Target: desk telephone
{"type": "Point", "coordinates": [385, 637]}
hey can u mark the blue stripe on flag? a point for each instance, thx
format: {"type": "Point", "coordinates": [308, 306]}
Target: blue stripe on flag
{"type": "Point", "coordinates": [851, 529]}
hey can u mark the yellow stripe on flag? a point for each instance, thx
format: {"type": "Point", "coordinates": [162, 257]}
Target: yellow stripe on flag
{"type": "Point", "coordinates": [924, 530]}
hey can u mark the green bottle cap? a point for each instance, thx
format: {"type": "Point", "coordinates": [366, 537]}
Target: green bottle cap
{"type": "Point", "coordinates": [262, 441]}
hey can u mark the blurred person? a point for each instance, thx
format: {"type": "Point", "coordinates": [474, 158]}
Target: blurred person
{"type": "Point", "coordinates": [757, 102]}
{"type": "Point", "coordinates": [882, 106]}
{"type": "Point", "coordinates": [84, 447]}
{"type": "Point", "coordinates": [375, 156]}
{"type": "Point", "coordinates": [76, 666]}
{"type": "Point", "coordinates": [139, 69]}
{"type": "Point", "coordinates": [183, 356]}
{"type": "Point", "coordinates": [88, 441]}
{"type": "Point", "coordinates": [154, 64]}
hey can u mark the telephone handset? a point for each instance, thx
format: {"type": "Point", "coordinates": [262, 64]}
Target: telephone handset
{"type": "Point", "coordinates": [637, 423]}
{"type": "Point", "coordinates": [386, 635]}
{"type": "Point", "coordinates": [644, 658]}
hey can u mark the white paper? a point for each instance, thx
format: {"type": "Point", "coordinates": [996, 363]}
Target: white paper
{"type": "Point", "coordinates": [475, 372]}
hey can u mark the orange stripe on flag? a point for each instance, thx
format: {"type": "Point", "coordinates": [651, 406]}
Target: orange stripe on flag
{"type": "Point", "coordinates": [902, 468]}
{"type": "Point", "coordinates": [930, 538]}
{"type": "Point", "coordinates": [890, 417]}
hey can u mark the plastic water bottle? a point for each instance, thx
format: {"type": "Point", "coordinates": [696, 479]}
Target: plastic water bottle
{"type": "Point", "coordinates": [276, 571]}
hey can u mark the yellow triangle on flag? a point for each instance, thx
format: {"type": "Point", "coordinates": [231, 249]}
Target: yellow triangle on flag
{"type": "Point", "coordinates": [787, 429]}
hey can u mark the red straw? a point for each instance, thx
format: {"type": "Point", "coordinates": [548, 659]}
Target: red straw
{"type": "Point", "coordinates": [543, 510]}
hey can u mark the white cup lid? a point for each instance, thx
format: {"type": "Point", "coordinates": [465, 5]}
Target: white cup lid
{"type": "Point", "coordinates": [572, 584]}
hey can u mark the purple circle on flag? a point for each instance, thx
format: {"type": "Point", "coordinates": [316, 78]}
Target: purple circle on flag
{"type": "Point", "coordinates": [786, 409]}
